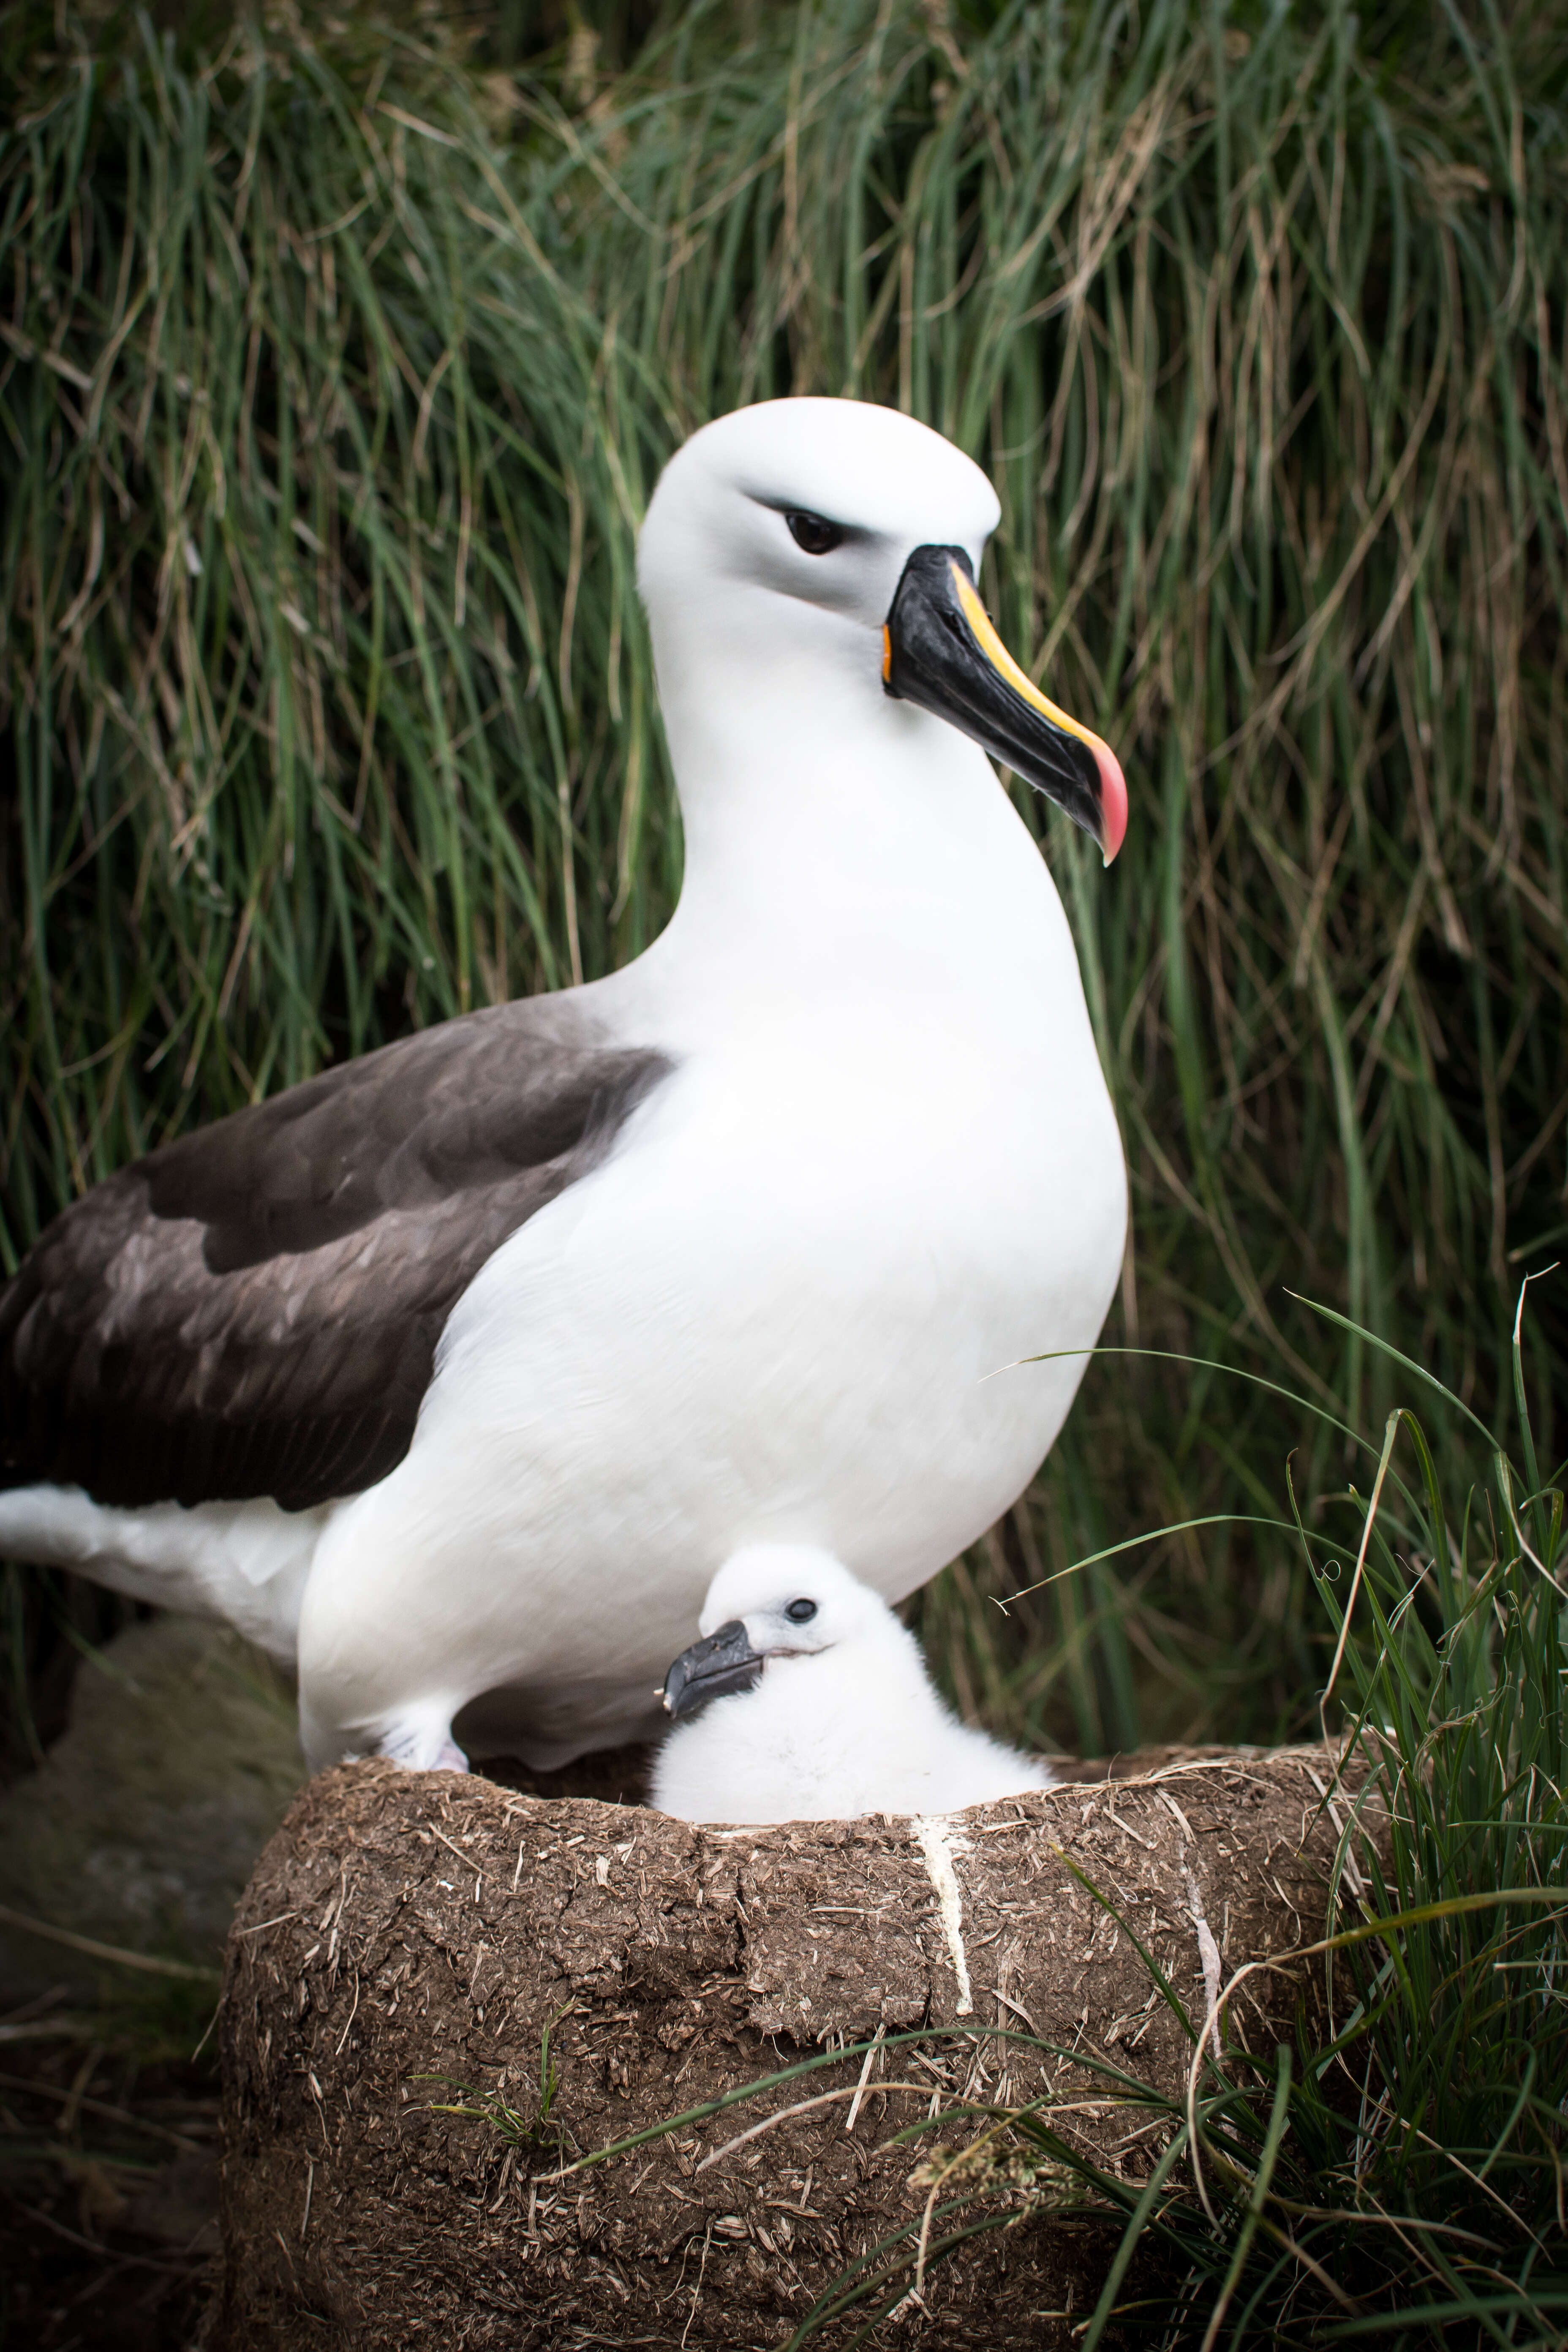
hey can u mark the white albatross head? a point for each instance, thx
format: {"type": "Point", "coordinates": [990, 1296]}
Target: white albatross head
{"type": "Point", "coordinates": [836, 544]}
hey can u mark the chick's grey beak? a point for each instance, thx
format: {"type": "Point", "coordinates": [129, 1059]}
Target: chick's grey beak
{"type": "Point", "coordinates": [940, 651]}
{"type": "Point", "coordinates": [718, 1664]}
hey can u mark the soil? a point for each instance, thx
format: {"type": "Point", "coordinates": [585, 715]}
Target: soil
{"type": "Point", "coordinates": [109, 2209]}
{"type": "Point", "coordinates": [408, 1941]}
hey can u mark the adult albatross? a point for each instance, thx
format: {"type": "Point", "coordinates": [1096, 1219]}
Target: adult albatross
{"type": "Point", "coordinates": [458, 1371]}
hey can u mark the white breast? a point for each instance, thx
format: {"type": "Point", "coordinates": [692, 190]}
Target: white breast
{"type": "Point", "coordinates": [782, 1312]}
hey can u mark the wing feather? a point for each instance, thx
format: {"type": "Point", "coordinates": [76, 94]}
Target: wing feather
{"type": "Point", "coordinates": [254, 1310]}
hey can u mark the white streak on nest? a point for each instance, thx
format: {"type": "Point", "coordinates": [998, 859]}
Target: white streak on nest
{"type": "Point", "coordinates": [1208, 1950]}
{"type": "Point", "coordinates": [939, 1841]}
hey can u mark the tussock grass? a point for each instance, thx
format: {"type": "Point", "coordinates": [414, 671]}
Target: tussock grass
{"type": "Point", "coordinates": [1401, 2182]}
{"type": "Point", "coordinates": [334, 376]}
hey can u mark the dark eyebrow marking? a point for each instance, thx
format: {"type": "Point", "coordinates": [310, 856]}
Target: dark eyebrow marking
{"type": "Point", "coordinates": [859, 533]}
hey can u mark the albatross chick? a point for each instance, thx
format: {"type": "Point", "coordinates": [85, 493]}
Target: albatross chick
{"type": "Point", "coordinates": [805, 1700]}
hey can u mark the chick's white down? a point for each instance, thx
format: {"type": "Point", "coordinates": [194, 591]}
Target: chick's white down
{"type": "Point", "coordinates": [844, 1720]}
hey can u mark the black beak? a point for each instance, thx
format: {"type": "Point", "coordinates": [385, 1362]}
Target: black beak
{"type": "Point", "coordinates": [940, 651]}
{"type": "Point", "coordinates": [720, 1662]}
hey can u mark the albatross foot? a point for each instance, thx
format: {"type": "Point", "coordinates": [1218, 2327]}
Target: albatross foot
{"type": "Point", "coordinates": [421, 1747]}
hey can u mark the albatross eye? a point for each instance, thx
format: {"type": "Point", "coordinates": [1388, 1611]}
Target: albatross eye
{"type": "Point", "coordinates": [814, 534]}
{"type": "Point", "coordinates": [801, 1613]}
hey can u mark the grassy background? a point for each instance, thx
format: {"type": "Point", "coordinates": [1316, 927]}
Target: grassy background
{"type": "Point", "coordinates": [335, 369]}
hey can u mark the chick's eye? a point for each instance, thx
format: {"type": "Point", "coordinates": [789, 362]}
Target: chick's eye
{"type": "Point", "coordinates": [814, 534]}
{"type": "Point", "coordinates": [801, 1613]}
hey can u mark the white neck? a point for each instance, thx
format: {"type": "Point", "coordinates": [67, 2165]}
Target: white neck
{"type": "Point", "coordinates": [829, 830]}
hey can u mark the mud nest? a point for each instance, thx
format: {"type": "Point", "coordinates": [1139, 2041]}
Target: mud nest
{"type": "Point", "coordinates": [410, 1942]}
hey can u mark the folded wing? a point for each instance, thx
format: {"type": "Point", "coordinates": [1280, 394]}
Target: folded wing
{"type": "Point", "coordinates": [254, 1310]}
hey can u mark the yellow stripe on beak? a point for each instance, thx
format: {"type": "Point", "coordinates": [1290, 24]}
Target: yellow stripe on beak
{"type": "Point", "coordinates": [996, 654]}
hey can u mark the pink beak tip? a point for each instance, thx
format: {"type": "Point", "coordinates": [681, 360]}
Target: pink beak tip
{"type": "Point", "coordinates": [1113, 799]}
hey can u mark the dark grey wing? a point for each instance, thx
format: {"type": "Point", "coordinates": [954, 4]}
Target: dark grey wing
{"type": "Point", "coordinates": [255, 1309]}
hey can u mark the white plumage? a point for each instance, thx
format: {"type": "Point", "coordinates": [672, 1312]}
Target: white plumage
{"type": "Point", "coordinates": [871, 1161]}
{"type": "Point", "coordinates": [842, 1720]}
